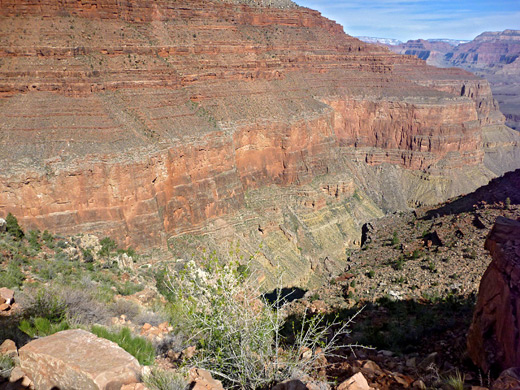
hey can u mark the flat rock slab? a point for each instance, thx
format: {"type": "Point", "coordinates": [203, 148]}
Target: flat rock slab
{"type": "Point", "coordinates": [77, 360]}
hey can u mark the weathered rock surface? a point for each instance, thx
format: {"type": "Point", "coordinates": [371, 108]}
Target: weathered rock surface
{"type": "Point", "coordinates": [76, 359]}
{"type": "Point", "coordinates": [508, 380]}
{"type": "Point", "coordinates": [7, 304]}
{"type": "Point", "coordinates": [8, 347]}
{"type": "Point", "coordinates": [201, 379]}
{"type": "Point", "coordinates": [147, 120]}
{"type": "Point", "coordinates": [7, 295]}
{"type": "Point", "coordinates": [356, 382]}
{"type": "Point", "coordinates": [493, 340]}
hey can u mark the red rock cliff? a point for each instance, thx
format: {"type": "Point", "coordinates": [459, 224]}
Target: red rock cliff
{"type": "Point", "coordinates": [493, 339]}
{"type": "Point", "coordinates": [144, 119]}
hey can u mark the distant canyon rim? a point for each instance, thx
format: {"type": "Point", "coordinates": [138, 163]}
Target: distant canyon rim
{"type": "Point", "coordinates": [492, 55]}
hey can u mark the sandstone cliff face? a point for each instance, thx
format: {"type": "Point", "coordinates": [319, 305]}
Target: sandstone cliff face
{"type": "Point", "coordinates": [146, 120]}
{"type": "Point", "coordinates": [493, 340]}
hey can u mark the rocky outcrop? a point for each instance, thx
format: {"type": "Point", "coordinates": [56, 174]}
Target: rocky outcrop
{"type": "Point", "coordinates": [202, 380]}
{"type": "Point", "coordinates": [493, 339]}
{"type": "Point", "coordinates": [147, 120]}
{"type": "Point", "coordinates": [76, 359]}
{"type": "Point", "coordinates": [7, 304]}
{"type": "Point", "coordinates": [508, 380]}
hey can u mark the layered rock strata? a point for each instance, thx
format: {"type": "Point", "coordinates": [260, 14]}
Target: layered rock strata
{"type": "Point", "coordinates": [146, 120]}
{"type": "Point", "coordinates": [493, 55]}
{"type": "Point", "coordinates": [493, 339]}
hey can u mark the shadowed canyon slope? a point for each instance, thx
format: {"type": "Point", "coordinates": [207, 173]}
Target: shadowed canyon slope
{"type": "Point", "coordinates": [493, 55]}
{"type": "Point", "coordinates": [156, 121]}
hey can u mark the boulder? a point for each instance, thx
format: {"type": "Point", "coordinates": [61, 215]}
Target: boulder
{"type": "Point", "coordinates": [355, 382]}
{"type": "Point", "coordinates": [492, 338]}
{"type": "Point", "coordinates": [8, 347]}
{"type": "Point", "coordinates": [18, 380]}
{"type": "Point", "coordinates": [134, 386]}
{"type": "Point", "coordinates": [3, 225]}
{"type": "Point", "coordinates": [7, 294]}
{"type": "Point", "coordinates": [291, 384]}
{"type": "Point", "coordinates": [77, 359]}
{"type": "Point", "coordinates": [508, 380]}
{"type": "Point", "coordinates": [202, 380]}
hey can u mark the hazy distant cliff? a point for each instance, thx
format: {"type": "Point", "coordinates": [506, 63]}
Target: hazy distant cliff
{"type": "Point", "coordinates": [494, 55]}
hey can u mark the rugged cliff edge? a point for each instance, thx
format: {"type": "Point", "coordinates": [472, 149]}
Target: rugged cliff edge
{"type": "Point", "coordinates": [154, 120]}
{"type": "Point", "coordinates": [493, 338]}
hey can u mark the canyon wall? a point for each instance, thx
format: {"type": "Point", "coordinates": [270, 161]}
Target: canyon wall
{"type": "Point", "coordinates": [493, 55]}
{"type": "Point", "coordinates": [154, 122]}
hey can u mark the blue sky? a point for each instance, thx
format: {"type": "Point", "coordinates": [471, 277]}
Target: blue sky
{"type": "Point", "coordinates": [413, 19]}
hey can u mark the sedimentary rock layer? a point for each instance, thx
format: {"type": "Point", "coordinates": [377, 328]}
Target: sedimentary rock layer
{"type": "Point", "coordinates": [493, 55]}
{"type": "Point", "coordinates": [149, 119]}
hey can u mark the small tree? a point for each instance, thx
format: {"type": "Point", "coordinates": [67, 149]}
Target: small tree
{"type": "Point", "coordinates": [13, 228]}
{"type": "Point", "coordinates": [395, 239]}
{"type": "Point", "coordinates": [508, 203]}
{"type": "Point", "coordinates": [107, 246]}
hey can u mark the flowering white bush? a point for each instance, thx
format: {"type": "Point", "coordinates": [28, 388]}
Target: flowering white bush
{"type": "Point", "coordinates": [238, 332]}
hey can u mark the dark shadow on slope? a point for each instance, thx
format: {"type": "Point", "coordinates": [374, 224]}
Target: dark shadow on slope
{"type": "Point", "coordinates": [498, 190]}
{"type": "Point", "coordinates": [279, 297]}
{"type": "Point", "coordinates": [431, 324]}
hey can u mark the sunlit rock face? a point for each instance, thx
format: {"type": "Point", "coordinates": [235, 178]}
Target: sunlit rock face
{"type": "Point", "coordinates": [146, 120]}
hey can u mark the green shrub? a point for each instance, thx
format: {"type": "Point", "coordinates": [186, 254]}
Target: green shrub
{"type": "Point", "coordinates": [238, 334]}
{"type": "Point", "coordinates": [455, 381]}
{"type": "Point", "coordinates": [13, 228]}
{"type": "Point", "coordinates": [6, 366]}
{"type": "Point", "coordinates": [159, 379]}
{"type": "Point", "coordinates": [58, 303]}
{"type": "Point", "coordinates": [12, 277]}
{"type": "Point", "coordinates": [107, 246]}
{"type": "Point", "coordinates": [42, 327]}
{"type": "Point", "coordinates": [48, 239]}
{"type": "Point", "coordinates": [45, 303]}
{"type": "Point", "coordinates": [128, 288]}
{"type": "Point", "coordinates": [142, 349]}
{"type": "Point", "coordinates": [398, 265]}
{"type": "Point", "coordinates": [395, 239]}
{"type": "Point", "coordinates": [314, 297]}
{"type": "Point", "coordinates": [62, 244]}
{"type": "Point", "coordinates": [88, 256]}
{"type": "Point", "coordinates": [34, 239]}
